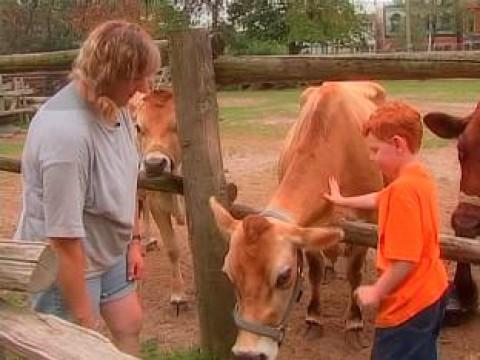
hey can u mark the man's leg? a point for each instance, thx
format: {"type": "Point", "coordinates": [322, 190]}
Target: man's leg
{"type": "Point", "coordinates": [124, 320]}
{"type": "Point", "coordinates": [121, 309]}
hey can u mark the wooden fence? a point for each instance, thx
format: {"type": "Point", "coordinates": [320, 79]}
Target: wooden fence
{"type": "Point", "coordinates": [194, 75]}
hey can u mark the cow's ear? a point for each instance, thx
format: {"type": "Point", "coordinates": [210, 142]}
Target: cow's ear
{"type": "Point", "coordinates": [136, 100]}
{"type": "Point", "coordinates": [444, 125]}
{"type": "Point", "coordinates": [225, 221]}
{"type": "Point", "coordinates": [316, 238]}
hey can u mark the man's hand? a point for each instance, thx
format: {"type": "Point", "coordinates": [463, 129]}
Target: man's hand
{"type": "Point", "coordinates": [135, 263]}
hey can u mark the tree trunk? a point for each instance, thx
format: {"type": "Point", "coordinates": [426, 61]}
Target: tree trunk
{"type": "Point", "coordinates": [194, 87]}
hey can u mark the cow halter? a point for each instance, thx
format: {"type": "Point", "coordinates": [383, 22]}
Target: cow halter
{"type": "Point", "coordinates": [275, 332]}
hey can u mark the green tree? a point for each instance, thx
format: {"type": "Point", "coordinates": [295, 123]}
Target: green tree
{"type": "Point", "coordinates": [260, 19]}
{"type": "Point", "coordinates": [321, 20]}
{"type": "Point", "coordinates": [295, 22]}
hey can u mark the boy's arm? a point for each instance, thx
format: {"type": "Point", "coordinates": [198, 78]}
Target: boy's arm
{"type": "Point", "coordinates": [392, 277]}
{"type": "Point", "coordinates": [364, 202]}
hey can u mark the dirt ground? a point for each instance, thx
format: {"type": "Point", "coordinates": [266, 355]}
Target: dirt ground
{"type": "Point", "coordinates": [251, 164]}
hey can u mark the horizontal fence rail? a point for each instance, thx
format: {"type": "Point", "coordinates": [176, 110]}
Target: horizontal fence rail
{"type": "Point", "coordinates": [250, 69]}
{"type": "Point", "coordinates": [254, 69]}
{"type": "Point", "coordinates": [451, 247]}
{"type": "Point", "coordinates": [46, 61]}
{"type": "Point", "coordinates": [166, 182]}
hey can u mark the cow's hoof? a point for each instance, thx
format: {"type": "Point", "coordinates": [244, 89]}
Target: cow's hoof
{"type": "Point", "coordinates": [456, 313]}
{"type": "Point", "coordinates": [354, 325]}
{"type": "Point", "coordinates": [315, 328]}
{"type": "Point", "coordinates": [354, 336]}
{"type": "Point", "coordinates": [178, 302]}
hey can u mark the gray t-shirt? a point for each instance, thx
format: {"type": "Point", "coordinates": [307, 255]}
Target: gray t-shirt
{"type": "Point", "coordinates": [79, 179]}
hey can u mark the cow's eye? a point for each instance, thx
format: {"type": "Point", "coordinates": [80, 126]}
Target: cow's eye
{"type": "Point", "coordinates": [283, 279]}
{"type": "Point", "coordinates": [138, 128]}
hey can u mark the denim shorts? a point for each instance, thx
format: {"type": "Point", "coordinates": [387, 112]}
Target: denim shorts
{"type": "Point", "coordinates": [415, 339]}
{"type": "Point", "coordinates": [108, 286]}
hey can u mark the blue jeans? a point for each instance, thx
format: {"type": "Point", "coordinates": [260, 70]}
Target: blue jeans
{"type": "Point", "coordinates": [108, 286]}
{"type": "Point", "coordinates": [415, 339]}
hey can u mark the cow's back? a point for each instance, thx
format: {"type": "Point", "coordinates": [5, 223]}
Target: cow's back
{"type": "Point", "coordinates": [327, 141]}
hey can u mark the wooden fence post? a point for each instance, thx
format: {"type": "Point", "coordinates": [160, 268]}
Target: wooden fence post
{"type": "Point", "coordinates": [194, 87]}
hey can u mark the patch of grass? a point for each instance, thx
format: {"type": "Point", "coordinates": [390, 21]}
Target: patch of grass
{"type": "Point", "coordinates": [18, 300]}
{"type": "Point", "coordinates": [259, 105]}
{"type": "Point", "coordinates": [151, 351]}
{"type": "Point", "coordinates": [455, 90]}
{"type": "Point", "coordinates": [10, 149]}
{"type": "Point", "coordinates": [432, 141]}
{"type": "Point", "coordinates": [246, 112]}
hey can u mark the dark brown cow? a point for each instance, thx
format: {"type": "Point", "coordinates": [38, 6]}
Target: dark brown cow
{"type": "Point", "coordinates": [466, 217]}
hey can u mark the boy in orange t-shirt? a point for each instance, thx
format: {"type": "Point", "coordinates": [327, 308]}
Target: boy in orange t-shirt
{"type": "Point", "coordinates": [409, 293]}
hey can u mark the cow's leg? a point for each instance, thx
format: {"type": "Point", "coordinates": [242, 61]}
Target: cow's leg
{"type": "Point", "coordinates": [354, 321]}
{"type": "Point", "coordinates": [164, 222]}
{"type": "Point", "coordinates": [178, 210]}
{"type": "Point", "coordinates": [148, 242]}
{"type": "Point", "coordinates": [463, 299]}
{"type": "Point", "coordinates": [467, 290]}
{"type": "Point", "coordinates": [315, 276]}
{"type": "Point", "coordinates": [354, 276]}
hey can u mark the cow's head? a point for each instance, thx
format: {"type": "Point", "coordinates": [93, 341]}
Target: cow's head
{"type": "Point", "coordinates": [154, 113]}
{"type": "Point", "coordinates": [466, 218]}
{"type": "Point", "coordinates": [264, 264]}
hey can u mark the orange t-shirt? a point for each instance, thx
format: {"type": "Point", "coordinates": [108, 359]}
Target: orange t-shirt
{"type": "Point", "coordinates": [408, 229]}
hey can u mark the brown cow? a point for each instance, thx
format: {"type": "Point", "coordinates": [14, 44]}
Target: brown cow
{"type": "Point", "coordinates": [263, 262]}
{"type": "Point", "coordinates": [159, 146]}
{"type": "Point", "coordinates": [466, 217]}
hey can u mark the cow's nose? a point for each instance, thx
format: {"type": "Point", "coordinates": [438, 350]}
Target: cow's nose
{"type": "Point", "coordinates": [249, 356]}
{"type": "Point", "coordinates": [155, 166]}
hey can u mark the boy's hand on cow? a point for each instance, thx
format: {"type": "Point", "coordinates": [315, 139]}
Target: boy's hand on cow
{"type": "Point", "coordinates": [367, 297]}
{"type": "Point", "coordinates": [334, 196]}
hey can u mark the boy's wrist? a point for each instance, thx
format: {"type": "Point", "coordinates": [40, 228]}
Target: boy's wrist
{"type": "Point", "coordinates": [378, 291]}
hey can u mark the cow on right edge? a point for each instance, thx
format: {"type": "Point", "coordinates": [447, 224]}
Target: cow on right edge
{"type": "Point", "coordinates": [465, 219]}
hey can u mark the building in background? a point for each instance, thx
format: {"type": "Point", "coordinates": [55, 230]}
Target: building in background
{"type": "Point", "coordinates": [435, 25]}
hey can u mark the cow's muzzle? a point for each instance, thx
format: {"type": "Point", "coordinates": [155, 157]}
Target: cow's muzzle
{"type": "Point", "coordinates": [249, 356]}
{"type": "Point", "coordinates": [275, 332]}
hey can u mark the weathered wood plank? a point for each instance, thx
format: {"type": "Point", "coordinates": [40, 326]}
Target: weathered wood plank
{"type": "Point", "coordinates": [10, 165]}
{"type": "Point", "coordinates": [246, 69]}
{"type": "Point", "coordinates": [18, 111]}
{"type": "Point", "coordinates": [28, 251]}
{"type": "Point", "coordinates": [46, 337]}
{"type": "Point", "coordinates": [26, 266]}
{"type": "Point", "coordinates": [49, 61]}
{"type": "Point", "coordinates": [252, 69]}
{"type": "Point", "coordinates": [451, 247]}
{"type": "Point", "coordinates": [166, 182]}
{"type": "Point", "coordinates": [197, 116]}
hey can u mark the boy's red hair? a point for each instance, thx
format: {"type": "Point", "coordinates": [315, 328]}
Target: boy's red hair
{"type": "Point", "coordinates": [396, 118]}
